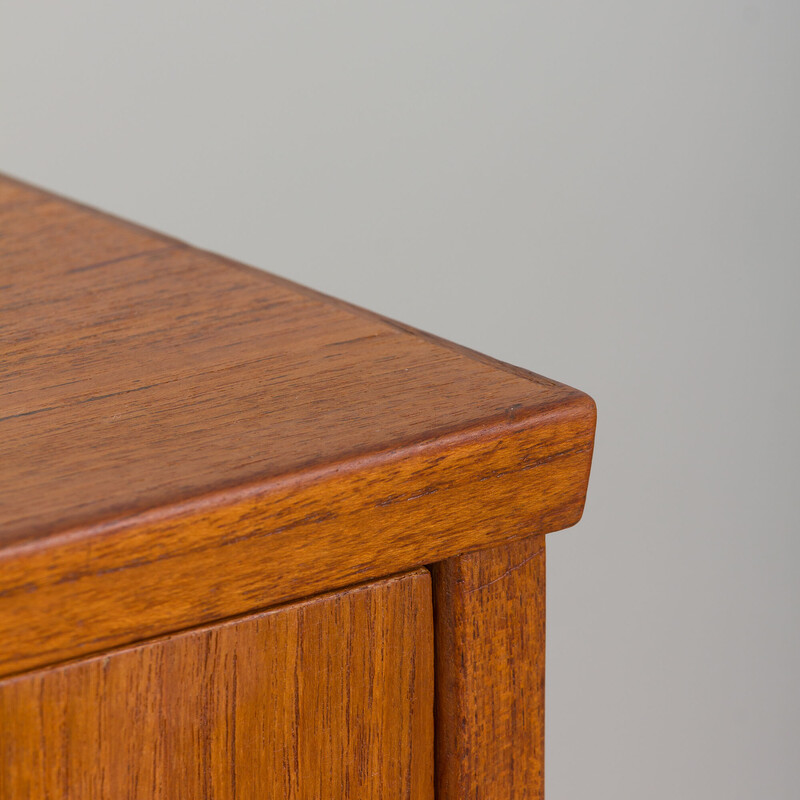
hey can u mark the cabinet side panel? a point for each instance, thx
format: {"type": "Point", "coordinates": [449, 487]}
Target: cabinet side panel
{"type": "Point", "coordinates": [489, 612]}
{"type": "Point", "coordinates": [327, 698]}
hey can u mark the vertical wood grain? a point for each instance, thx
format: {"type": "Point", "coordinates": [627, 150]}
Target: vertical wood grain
{"type": "Point", "coordinates": [327, 698]}
{"type": "Point", "coordinates": [489, 612]}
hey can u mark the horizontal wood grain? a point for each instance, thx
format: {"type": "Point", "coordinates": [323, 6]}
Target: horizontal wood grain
{"type": "Point", "coordinates": [328, 699]}
{"type": "Point", "coordinates": [184, 439]}
{"type": "Point", "coordinates": [490, 662]}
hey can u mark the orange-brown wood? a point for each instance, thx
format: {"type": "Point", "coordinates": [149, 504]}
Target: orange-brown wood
{"type": "Point", "coordinates": [327, 698]}
{"type": "Point", "coordinates": [184, 439]}
{"type": "Point", "coordinates": [490, 631]}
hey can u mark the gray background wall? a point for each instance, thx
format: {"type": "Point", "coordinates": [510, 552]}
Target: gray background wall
{"type": "Point", "coordinates": [607, 193]}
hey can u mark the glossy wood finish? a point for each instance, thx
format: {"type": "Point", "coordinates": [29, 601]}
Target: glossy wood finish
{"type": "Point", "coordinates": [490, 659]}
{"type": "Point", "coordinates": [184, 439]}
{"type": "Point", "coordinates": [328, 698]}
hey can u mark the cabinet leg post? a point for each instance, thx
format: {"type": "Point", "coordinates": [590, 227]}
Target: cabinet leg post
{"type": "Point", "coordinates": [489, 616]}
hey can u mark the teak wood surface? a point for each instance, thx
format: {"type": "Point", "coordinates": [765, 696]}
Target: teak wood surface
{"type": "Point", "coordinates": [184, 439]}
{"type": "Point", "coordinates": [490, 658]}
{"type": "Point", "coordinates": [325, 699]}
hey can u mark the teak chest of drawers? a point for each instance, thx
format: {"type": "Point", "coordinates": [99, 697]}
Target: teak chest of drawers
{"type": "Point", "coordinates": [256, 542]}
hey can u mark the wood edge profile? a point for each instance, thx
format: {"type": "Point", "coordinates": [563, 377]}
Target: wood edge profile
{"type": "Point", "coordinates": [236, 552]}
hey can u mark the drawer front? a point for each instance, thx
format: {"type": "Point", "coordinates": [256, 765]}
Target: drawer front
{"type": "Point", "coordinates": [327, 698]}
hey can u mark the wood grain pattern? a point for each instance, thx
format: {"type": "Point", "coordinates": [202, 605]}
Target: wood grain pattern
{"type": "Point", "coordinates": [490, 659]}
{"type": "Point", "coordinates": [184, 439]}
{"type": "Point", "coordinates": [328, 698]}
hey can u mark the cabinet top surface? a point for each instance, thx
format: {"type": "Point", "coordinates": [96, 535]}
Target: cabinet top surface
{"type": "Point", "coordinates": [138, 372]}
